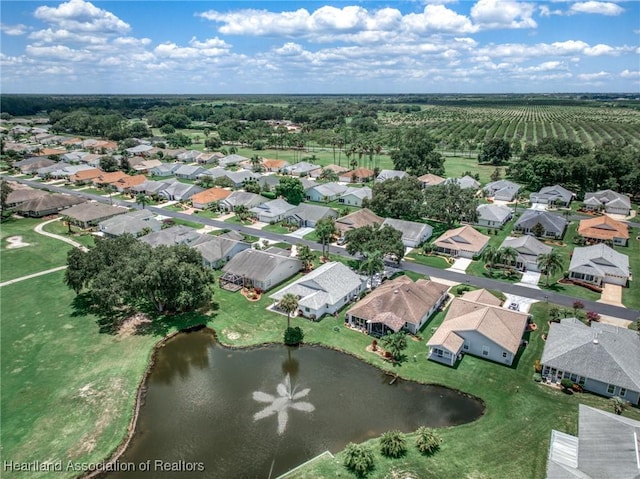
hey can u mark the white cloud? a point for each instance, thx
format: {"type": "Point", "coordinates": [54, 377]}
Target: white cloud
{"type": "Point", "coordinates": [492, 14]}
{"type": "Point", "coordinates": [60, 52]}
{"type": "Point", "coordinates": [131, 41]}
{"type": "Point", "coordinates": [78, 15]}
{"type": "Point", "coordinates": [599, 8]}
{"type": "Point", "coordinates": [630, 74]}
{"type": "Point", "coordinates": [437, 18]}
{"type": "Point", "coordinates": [212, 47]}
{"type": "Point", "coordinates": [590, 77]}
{"type": "Point", "coordinates": [65, 36]}
{"type": "Point", "coordinates": [545, 11]}
{"type": "Point", "coordinates": [13, 30]}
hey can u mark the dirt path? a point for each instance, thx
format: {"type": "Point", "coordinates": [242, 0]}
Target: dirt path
{"type": "Point", "coordinates": [38, 229]}
{"type": "Point", "coordinates": [29, 276]}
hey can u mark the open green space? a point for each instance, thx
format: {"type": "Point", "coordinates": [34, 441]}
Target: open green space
{"type": "Point", "coordinates": [631, 295]}
{"type": "Point", "coordinates": [60, 228]}
{"type": "Point", "coordinates": [276, 228]}
{"type": "Point", "coordinates": [428, 260]}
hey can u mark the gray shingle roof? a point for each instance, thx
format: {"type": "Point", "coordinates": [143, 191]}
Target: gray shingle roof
{"type": "Point", "coordinates": [258, 265]}
{"type": "Point", "coordinates": [361, 193]}
{"type": "Point", "coordinates": [273, 208]}
{"type": "Point", "coordinates": [613, 358]}
{"type": "Point", "coordinates": [178, 234]}
{"type": "Point", "coordinates": [307, 212]}
{"type": "Point", "coordinates": [131, 223]}
{"type": "Point", "coordinates": [493, 212]}
{"type": "Point", "coordinates": [389, 174]}
{"type": "Point", "coordinates": [601, 259]}
{"type": "Point", "coordinates": [607, 197]}
{"type": "Point", "coordinates": [216, 248]}
{"type": "Point", "coordinates": [244, 198]}
{"type": "Point", "coordinates": [411, 231]}
{"type": "Point", "coordinates": [550, 193]}
{"type": "Point", "coordinates": [550, 222]}
{"type": "Point", "coordinates": [329, 189]}
{"type": "Point", "coordinates": [526, 245]}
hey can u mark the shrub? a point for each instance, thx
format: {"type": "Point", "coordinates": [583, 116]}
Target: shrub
{"type": "Point", "coordinates": [537, 377]}
{"type": "Point", "coordinates": [566, 383]}
{"type": "Point", "coordinates": [358, 458]}
{"type": "Point", "coordinates": [392, 444]}
{"type": "Point", "coordinates": [538, 366]}
{"type": "Point", "coordinates": [428, 441]}
{"type": "Point", "coordinates": [293, 336]}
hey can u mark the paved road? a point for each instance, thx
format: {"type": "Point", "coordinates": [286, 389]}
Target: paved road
{"type": "Point", "coordinates": [540, 295]}
{"type": "Point", "coordinates": [34, 275]}
{"type": "Point", "coordinates": [38, 229]}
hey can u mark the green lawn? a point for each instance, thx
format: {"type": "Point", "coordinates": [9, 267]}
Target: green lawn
{"type": "Point", "coordinates": [42, 253]}
{"type": "Point", "coordinates": [276, 228]}
{"type": "Point", "coordinates": [77, 234]}
{"type": "Point", "coordinates": [631, 295]}
{"type": "Point", "coordinates": [455, 166]}
{"type": "Point", "coordinates": [428, 260]}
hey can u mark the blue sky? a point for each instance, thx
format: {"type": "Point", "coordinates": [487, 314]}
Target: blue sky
{"type": "Point", "coordinates": [345, 46]}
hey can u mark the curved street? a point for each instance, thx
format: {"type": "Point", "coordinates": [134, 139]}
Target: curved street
{"type": "Point", "coordinates": [508, 288]}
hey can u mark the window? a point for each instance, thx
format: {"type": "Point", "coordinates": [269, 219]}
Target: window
{"type": "Point", "coordinates": [504, 354]}
{"type": "Point", "coordinates": [485, 350]}
{"type": "Point", "coordinates": [581, 381]}
{"type": "Point", "coordinates": [623, 392]}
{"type": "Point", "coordinates": [466, 346]}
{"type": "Point", "coordinates": [573, 377]}
{"type": "Point", "coordinates": [611, 389]}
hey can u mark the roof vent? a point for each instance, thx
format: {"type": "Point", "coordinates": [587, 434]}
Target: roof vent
{"type": "Point", "coordinates": [595, 341]}
{"type": "Point", "coordinates": [395, 291]}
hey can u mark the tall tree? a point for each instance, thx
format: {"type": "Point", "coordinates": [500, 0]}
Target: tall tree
{"type": "Point", "coordinates": [5, 190]}
{"type": "Point", "coordinates": [371, 238]}
{"type": "Point", "coordinates": [292, 190]}
{"type": "Point", "coordinates": [395, 343]}
{"type": "Point", "coordinates": [508, 255]}
{"type": "Point", "coordinates": [550, 263]}
{"type": "Point", "coordinates": [496, 151]}
{"type": "Point", "coordinates": [326, 230]}
{"type": "Point", "coordinates": [306, 256]}
{"type": "Point", "coordinates": [372, 264]}
{"type": "Point", "coordinates": [416, 154]}
{"type": "Point", "coordinates": [490, 256]}
{"type": "Point", "coordinates": [450, 204]}
{"type": "Point", "coordinates": [399, 198]}
{"type": "Point", "coordinates": [288, 304]}
{"type": "Point", "coordinates": [142, 200]}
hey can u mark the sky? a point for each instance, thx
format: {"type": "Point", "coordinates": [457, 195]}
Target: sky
{"type": "Point", "coordinates": [320, 46]}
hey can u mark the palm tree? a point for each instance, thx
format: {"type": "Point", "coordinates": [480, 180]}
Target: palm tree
{"type": "Point", "coordinates": [550, 263]}
{"type": "Point", "coordinates": [372, 264]}
{"type": "Point", "coordinates": [142, 199]}
{"type": "Point", "coordinates": [393, 444]}
{"type": "Point", "coordinates": [306, 256]}
{"type": "Point", "coordinates": [508, 255]}
{"type": "Point", "coordinates": [256, 163]}
{"type": "Point", "coordinates": [326, 229]}
{"type": "Point", "coordinates": [288, 304]}
{"type": "Point", "coordinates": [490, 255]}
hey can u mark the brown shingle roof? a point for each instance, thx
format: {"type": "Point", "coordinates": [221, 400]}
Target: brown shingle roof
{"type": "Point", "coordinates": [274, 163]}
{"type": "Point", "coordinates": [603, 228]}
{"type": "Point", "coordinates": [84, 175]}
{"type": "Point", "coordinates": [465, 238]}
{"type": "Point", "coordinates": [130, 181]}
{"type": "Point", "coordinates": [107, 178]}
{"type": "Point", "coordinates": [482, 296]}
{"type": "Point", "coordinates": [210, 195]}
{"type": "Point", "coordinates": [357, 219]}
{"type": "Point", "coordinates": [431, 179]}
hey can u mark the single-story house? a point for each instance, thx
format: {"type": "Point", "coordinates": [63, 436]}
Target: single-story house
{"type": "Point", "coordinates": [357, 219]}
{"type": "Point", "coordinates": [85, 176]}
{"type": "Point", "coordinates": [208, 158]}
{"type": "Point", "coordinates": [91, 213]}
{"type": "Point", "coordinates": [232, 159]}
{"type": "Point", "coordinates": [31, 165]}
{"type": "Point", "coordinates": [62, 170]}
{"type": "Point", "coordinates": [306, 215]}
{"type": "Point", "coordinates": [134, 223]}
{"type": "Point", "coordinates": [217, 250]}
{"type": "Point", "coordinates": [553, 195]}
{"type": "Point", "coordinates": [465, 182]}
{"type": "Point", "coordinates": [476, 324]}
{"type": "Point", "coordinates": [188, 156]}
{"type": "Point", "coordinates": [465, 242]}
{"type": "Point", "coordinates": [502, 190]}
{"type": "Point", "coordinates": [109, 178]}
{"type": "Point", "coordinates": [337, 169]}
{"type": "Point", "coordinates": [139, 149]}
{"type": "Point", "coordinates": [206, 198]}
{"type": "Point", "coordinates": [603, 358]}
{"type": "Point", "coordinates": [324, 290]}
{"type": "Point", "coordinates": [152, 187]}
{"type": "Point", "coordinates": [528, 249]}
{"type": "Point", "coordinates": [385, 175]}
{"type": "Point", "coordinates": [359, 175]}
{"type": "Point", "coordinates": [21, 194]}
{"type": "Point", "coordinates": [304, 168]}
{"type": "Point", "coordinates": [165, 169]}
{"type": "Point", "coordinates": [240, 177]}
{"type": "Point", "coordinates": [189, 172]}
{"type": "Point", "coordinates": [259, 269]}
{"type": "Point", "coordinates": [274, 165]}
{"type": "Point", "coordinates": [552, 226]}
{"type": "Point", "coordinates": [48, 204]}
{"type": "Point", "coordinates": [612, 202]}
{"type": "Point", "coordinates": [430, 180]}
{"type": "Point", "coordinates": [145, 166]}
{"type": "Point", "coordinates": [124, 184]}
{"type": "Point", "coordinates": [307, 183]}
{"type": "Point", "coordinates": [241, 198]}
{"type": "Point", "coordinates": [413, 233]}
{"type": "Point", "coordinates": [174, 235]}
{"type": "Point", "coordinates": [494, 216]}
{"type": "Point", "coordinates": [606, 447]}
{"type": "Point", "coordinates": [599, 264]}
{"type": "Point", "coordinates": [179, 191]}
{"type": "Point", "coordinates": [74, 156]}
{"type": "Point", "coordinates": [325, 192]}
{"type": "Point", "coordinates": [272, 211]}
{"type": "Point", "coordinates": [396, 305]}
{"type": "Point", "coordinates": [355, 196]}
{"type": "Point", "coordinates": [604, 228]}
{"type": "Point", "coordinates": [214, 173]}
{"type": "Point", "coordinates": [268, 181]}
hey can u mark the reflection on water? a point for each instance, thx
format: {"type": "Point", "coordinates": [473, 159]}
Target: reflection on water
{"type": "Point", "coordinates": [201, 403]}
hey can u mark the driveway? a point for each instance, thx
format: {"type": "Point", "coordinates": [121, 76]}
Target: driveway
{"type": "Point", "coordinates": [460, 265]}
{"type": "Point", "coordinates": [530, 279]}
{"type": "Point", "coordinates": [611, 294]}
{"type": "Point", "coordinates": [299, 233]}
{"type": "Point", "coordinates": [524, 304]}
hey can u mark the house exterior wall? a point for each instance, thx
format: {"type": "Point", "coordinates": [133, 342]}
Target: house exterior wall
{"type": "Point", "coordinates": [350, 200]}
{"type": "Point", "coordinates": [599, 280]}
{"type": "Point", "coordinates": [478, 345]}
{"type": "Point", "coordinates": [332, 308]}
{"type": "Point", "coordinates": [277, 276]}
{"type": "Point", "coordinates": [493, 224]}
{"type": "Point", "coordinates": [415, 328]}
{"type": "Point", "coordinates": [617, 210]}
{"type": "Point", "coordinates": [442, 355]}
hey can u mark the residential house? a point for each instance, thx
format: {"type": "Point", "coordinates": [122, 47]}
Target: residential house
{"type": "Point", "coordinates": [604, 228]}
{"type": "Point", "coordinates": [272, 211]}
{"type": "Point", "coordinates": [430, 180]}
{"type": "Point", "coordinates": [304, 168]}
{"type": "Point", "coordinates": [609, 201]}
{"type": "Point", "coordinates": [308, 183]}
{"type": "Point", "coordinates": [502, 190]}
{"type": "Point", "coordinates": [231, 160]}
{"type": "Point", "coordinates": [188, 156]}
{"type": "Point", "coordinates": [268, 181]}
{"type": "Point", "coordinates": [91, 213]}
{"type": "Point", "coordinates": [189, 172]}
{"type": "Point", "coordinates": [209, 158]}
{"type": "Point", "coordinates": [145, 166]}
{"type": "Point", "coordinates": [206, 198]}
{"type": "Point", "coordinates": [85, 176]}
{"type": "Point", "coordinates": [359, 175]}
{"type": "Point", "coordinates": [494, 216]}
{"type": "Point", "coordinates": [325, 290]}
{"type": "Point", "coordinates": [306, 215]}
{"type": "Point", "coordinates": [529, 249]}
{"type": "Point", "coordinates": [240, 178]}
{"type": "Point", "coordinates": [73, 157]}
{"type": "Point", "coordinates": [398, 304]}
{"type": "Point", "coordinates": [218, 250]}
{"type": "Point", "coordinates": [338, 170]}
{"type": "Point", "coordinates": [105, 179]}
{"type": "Point", "coordinates": [476, 324]}
{"type": "Point", "coordinates": [413, 233]}
{"type": "Point", "coordinates": [465, 182]}
{"type": "Point", "coordinates": [21, 194]}
{"type": "Point", "coordinates": [259, 269]}
{"type": "Point", "coordinates": [553, 195]}
{"type": "Point", "coordinates": [599, 264]}
{"type": "Point", "coordinates": [165, 169]}
{"type": "Point", "coordinates": [48, 204]}
{"type": "Point", "coordinates": [31, 165]}
{"type": "Point", "coordinates": [355, 196]}
{"type": "Point", "coordinates": [124, 184]}
{"type": "Point", "coordinates": [174, 235]}
{"type": "Point", "coordinates": [134, 223]}
{"type": "Point", "coordinates": [325, 192]}
{"type": "Point", "coordinates": [139, 150]}
{"type": "Point", "coordinates": [551, 226]}
{"type": "Point", "coordinates": [385, 175]}
{"type": "Point", "coordinates": [357, 219]}
{"type": "Point", "coordinates": [152, 187]}
{"type": "Point", "coordinates": [241, 198]}
{"type": "Point", "coordinates": [62, 170]}
{"type": "Point", "coordinates": [464, 242]}
{"type": "Point", "coordinates": [603, 358]}
{"type": "Point", "coordinates": [274, 165]}
{"type": "Point", "coordinates": [179, 191]}
{"type": "Point", "coordinates": [606, 447]}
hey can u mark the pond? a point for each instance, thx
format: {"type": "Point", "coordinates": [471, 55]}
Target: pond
{"type": "Point", "coordinates": [261, 412]}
